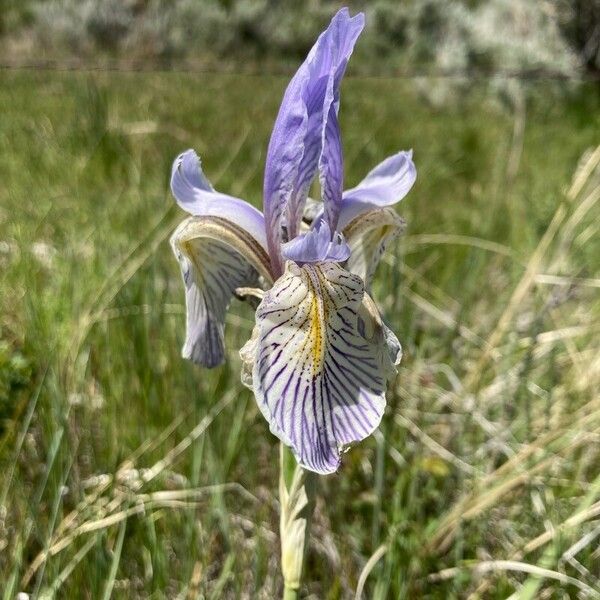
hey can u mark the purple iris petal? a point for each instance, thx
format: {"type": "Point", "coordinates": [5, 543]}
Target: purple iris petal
{"type": "Point", "coordinates": [301, 130]}
{"type": "Point", "coordinates": [317, 246]}
{"type": "Point", "coordinates": [196, 195]}
{"type": "Point", "coordinates": [331, 169]}
{"type": "Point", "coordinates": [386, 184]}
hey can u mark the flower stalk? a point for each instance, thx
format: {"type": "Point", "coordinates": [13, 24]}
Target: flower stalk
{"type": "Point", "coordinates": [297, 499]}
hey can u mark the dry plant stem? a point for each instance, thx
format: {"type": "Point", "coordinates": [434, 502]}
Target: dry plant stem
{"type": "Point", "coordinates": [297, 498]}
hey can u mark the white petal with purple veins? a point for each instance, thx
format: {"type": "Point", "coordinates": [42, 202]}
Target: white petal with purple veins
{"type": "Point", "coordinates": [321, 363]}
{"type": "Point", "coordinates": [215, 257]}
{"type": "Point", "coordinates": [368, 236]}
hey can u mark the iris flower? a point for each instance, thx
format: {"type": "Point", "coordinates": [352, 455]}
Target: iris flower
{"type": "Point", "coordinates": [320, 355]}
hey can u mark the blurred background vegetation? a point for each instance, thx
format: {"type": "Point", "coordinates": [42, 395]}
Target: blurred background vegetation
{"type": "Point", "coordinates": [127, 472]}
{"type": "Point", "coordinates": [414, 36]}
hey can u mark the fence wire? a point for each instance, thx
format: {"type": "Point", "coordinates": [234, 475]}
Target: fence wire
{"type": "Point", "coordinates": [258, 69]}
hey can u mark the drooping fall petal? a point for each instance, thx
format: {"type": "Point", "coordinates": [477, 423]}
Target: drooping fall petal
{"type": "Point", "coordinates": [321, 360]}
{"type": "Point", "coordinates": [216, 256]}
{"type": "Point", "coordinates": [368, 235]}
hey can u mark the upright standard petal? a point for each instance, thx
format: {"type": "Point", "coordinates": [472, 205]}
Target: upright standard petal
{"type": "Point", "coordinates": [331, 169]}
{"type": "Point", "coordinates": [385, 185]}
{"type": "Point", "coordinates": [320, 363]}
{"type": "Point", "coordinates": [216, 256]}
{"type": "Point", "coordinates": [196, 195]}
{"type": "Point", "coordinates": [368, 235]}
{"type": "Point", "coordinates": [297, 140]}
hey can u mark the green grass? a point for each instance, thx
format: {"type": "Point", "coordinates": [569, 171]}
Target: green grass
{"type": "Point", "coordinates": [128, 471]}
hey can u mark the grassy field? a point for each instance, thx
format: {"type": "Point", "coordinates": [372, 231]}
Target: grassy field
{"type": "Point", "coordinates": [127, 472]}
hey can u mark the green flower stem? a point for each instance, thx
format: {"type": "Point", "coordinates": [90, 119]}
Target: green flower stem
{"type": "Point", "coordinates": [291, 594]}
{"type": "Point", "coordinates": [297, 498]}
